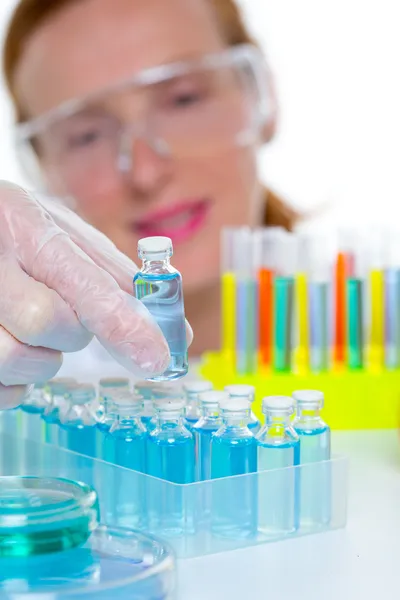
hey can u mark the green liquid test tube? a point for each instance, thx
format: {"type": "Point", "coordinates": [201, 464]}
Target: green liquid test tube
{"type": "Point", "coordinates": [355, 357]}
{"type": "Point", "coordinates": [283, 325]}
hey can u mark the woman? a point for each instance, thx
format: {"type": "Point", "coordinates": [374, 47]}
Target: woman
{"type": "Point", "coordinates": [147, 116]}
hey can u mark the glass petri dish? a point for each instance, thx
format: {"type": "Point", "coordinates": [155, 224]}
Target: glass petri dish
{"type": "Point", "coordinates": [113, 564]}
{"type": "Point", "coordinates": [44, 515]}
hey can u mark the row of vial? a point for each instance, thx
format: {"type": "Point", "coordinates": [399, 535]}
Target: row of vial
{"type": "Point", "coordinates": [205, 434]}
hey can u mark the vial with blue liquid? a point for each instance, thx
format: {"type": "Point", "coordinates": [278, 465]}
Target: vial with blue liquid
{"type": "Point", "coordinates": [159, 286]}
{"type": "Point", "coordinates": [108, 387]}
{"type": "Point", "coordinates": [209, 422]}
{"type": "Point", "coordinates": [33, 427]}
{"type": "Point", "coordinates": [315, 451]}
{"type": "Point", "coordinates": [192, 390]}
{"type": "Point", "coordinates": [170, 456]}
{"type": "Point", "coordinates": [145, 389]}
{"type": "Point", "coordinates": [126, 446]}
{"type": "Point", "coordinates": [248, 392]}
{"type": "Point", "coordinates": [234, 452]}
{"type": "Point", "coordinates": [57, 391]}
{"type": "Point", "coordinates": [278, 447]}
{"type": "Point", "coordinates": [78, 420]}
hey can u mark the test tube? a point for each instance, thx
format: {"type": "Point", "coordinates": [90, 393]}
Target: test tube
{"type": "Point", "coordinates": [228, 296]}
{"type": "Point", "coordinates": [392, 299]}
{"type": "Point", "coordinates": [376, 338]}
{"type": "Point", "coordinates": [246, 301]}
{"type": "Point", "coordinates": [269, 236]}
{"type": "Point", "coordinates": [316, 262]}
{"type": "Point", "coordinates": [284, 301]}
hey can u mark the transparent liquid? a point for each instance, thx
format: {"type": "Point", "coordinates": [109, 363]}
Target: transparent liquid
{"type": "Point", "coordinates": [278, 491]}
{"type": "Point", "coordinates": [51, 428]}
{"type": "Point", "coordinates": [234, 501]}
{"type": "Point", "coordinates": [254, 424]}
{"type": "Point", "coordinates": [171, 510]}
{"type": "Point", "coordinates": [315, 479]}
{"type": "Point", "coordinates": [32, 429]}
{"type": "Point", "coordinates": [11, 448]}
{"type": "Point", "coordinates": [129, 503]}
{"type": "Point", "coordinates": [202, 440]}
{"type": "Point", "coordinates": [80, 439]}
{"type": "Point", "coordinates": [162, 295]}
{"type": "Point", "coordinates": [37, 539]}
{"type": "Point", "coordinates": [113, 564]}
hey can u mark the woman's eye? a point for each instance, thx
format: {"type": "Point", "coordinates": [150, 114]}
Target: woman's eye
{"type": "Point", "coordinates": [186, 99]}
{"type": "Point", "coordinates": [86, 138]}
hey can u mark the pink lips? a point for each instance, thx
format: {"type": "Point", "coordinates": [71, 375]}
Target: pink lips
{"type": "Point", "coordinates": [178, 222]}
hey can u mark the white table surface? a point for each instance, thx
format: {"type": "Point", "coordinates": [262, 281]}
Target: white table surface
{"type": "Point", "coordinates": [361, 561]}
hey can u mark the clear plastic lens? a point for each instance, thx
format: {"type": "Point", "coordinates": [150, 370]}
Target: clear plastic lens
{"type": "Point", "coordinates": [201, 109]}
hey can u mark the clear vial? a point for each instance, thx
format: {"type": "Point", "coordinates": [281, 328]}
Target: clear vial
{"type": "Point", "coordinates": [57, 391]}
{"type": "Point", "coordinates": [33, 427]}
{"type": "Point", "coordinates": [209, 422]}
{"type": "Point", "coordinates": [108, 387]}
{"type": "Point", "coordinates": [153, 392]}
{"type": "Point", "coordinates": [278, 448]}
{"type": "Point", "coordinates": [234, 452]}
{"type": "Point", "coordinates": [78, 420]}
{"type": "Point", "coordinates": [245, 391]}
{"type": "Point", "coordinates": [125, 441]}
{"type": "Point", "coordinates": [126, 446]}
{"type": "Point", "coordinates": [315, 450]}
{"type": "Point", "coordinates": [192, 389]}
{"type": "Point", "coordinates": [171, 457]}
{"type": "Point", "coordinates": [159, 286]}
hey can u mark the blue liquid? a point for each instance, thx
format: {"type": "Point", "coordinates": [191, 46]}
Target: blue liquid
{"type": "Point", "coordinates": [171, 459]}
{"type": "Point", "coordinates": [171, 508]}
{"type": "Point", "coordinates": [278, 489]}
{"type": "Point", "coordinates": [162, 295]}
{"type": "Point", "coordinates": [127, 495]}
{"type": "Point", "coordinates": [11, 448]}
{"type": "Point", "coordinates": [51, 431]}
{"type": "Point", "coordinates": [254, 424]}
{"type": "Point", "coordinates": [202, 439]}
{"type": "Point", "coordinates": [315, 478]}
{"type": "Point", "coordinates": [190, 422]}
{"type": "Point", "coordinates": [80, 439]}
{"type": "Point", "coordinates": [32, 429]}
{"type": "Point", "coordinates": [234, 500]}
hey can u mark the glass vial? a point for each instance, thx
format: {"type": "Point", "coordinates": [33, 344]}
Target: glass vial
{"type": "Point", "coordinates": [57, 391]}
{"type": "Point", "coordinates": [278, 448]}
{"type": "Point", "coordinates": [234, 452]}
{"type": "Point", "coordinates": [159, 286]}
{"type": "Point", "coordinates": [248, 392]}
{"type": "Point", "coordinates": [171, 458]}
{"type": "Point", "coordinates": [78, 420]}
{"type": "Point", "coordinates": [209, 422]}
{"type": "Point", "coordinates": [315, 451]}
{"type": "Point", "coordinates": [192, 389]}
{"type": "Point", "coordinates": [126, 446]}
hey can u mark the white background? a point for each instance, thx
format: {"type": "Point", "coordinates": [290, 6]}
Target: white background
{"type": "Point", "coordinates": [337, 70]}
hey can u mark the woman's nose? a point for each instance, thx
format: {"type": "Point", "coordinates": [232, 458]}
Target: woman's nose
{"type": "Point", "coordinates": [146, 164]}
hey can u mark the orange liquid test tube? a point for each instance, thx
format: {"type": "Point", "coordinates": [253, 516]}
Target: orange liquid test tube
{"type": "Point", "coordinates": [266, 297]}
{"type": "Point", "coordinates": [340, 309]}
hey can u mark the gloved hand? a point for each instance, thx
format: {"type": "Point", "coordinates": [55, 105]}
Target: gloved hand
{"type": "Point", "coordinates": [61, 282]}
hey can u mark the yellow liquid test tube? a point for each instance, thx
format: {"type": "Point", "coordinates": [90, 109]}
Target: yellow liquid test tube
{"type": "Point", "coordinates": [302, 353]}
{"type": "Point", "coordinates": [377, 323]}
{"type": "Point", "coordinates": [228, 316]}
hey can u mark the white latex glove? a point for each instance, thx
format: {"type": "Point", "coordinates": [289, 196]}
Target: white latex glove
{"type": "Point", "coordinates": [61, 282]}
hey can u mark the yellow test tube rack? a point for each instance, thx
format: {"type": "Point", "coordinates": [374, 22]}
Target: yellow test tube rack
{"type": "Point", "coordinates": [353, 399]}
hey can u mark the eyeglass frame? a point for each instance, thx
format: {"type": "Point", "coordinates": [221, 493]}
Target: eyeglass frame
{"type": "Point", "coordinates": [26, 130]}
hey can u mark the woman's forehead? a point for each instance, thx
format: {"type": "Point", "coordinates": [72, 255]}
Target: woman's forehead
{"type": "Point", "coordinates": [95, 43]}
